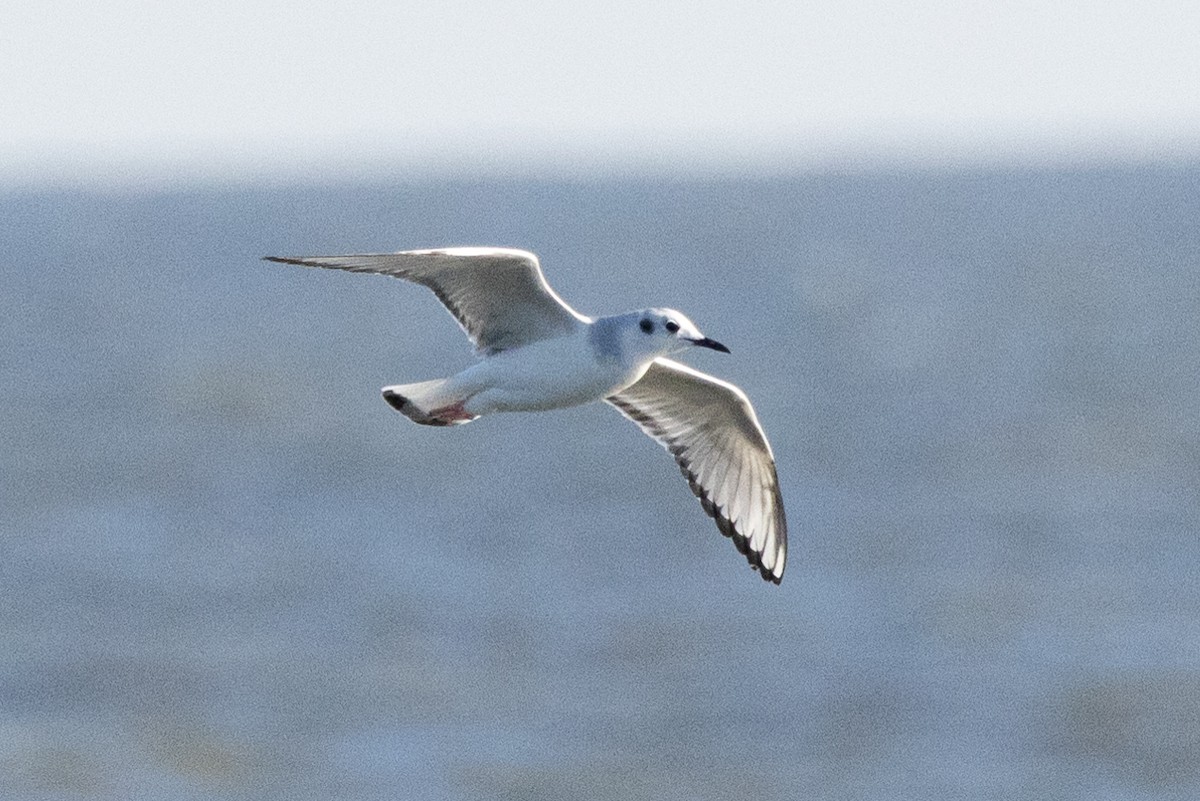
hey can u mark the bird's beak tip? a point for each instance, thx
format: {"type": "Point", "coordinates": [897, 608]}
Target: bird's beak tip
{"type": "Point", "coordinates": [706, 342]}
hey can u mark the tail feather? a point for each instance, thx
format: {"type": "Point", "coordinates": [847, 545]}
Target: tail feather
{"type": "Point", "coordinates": [430, 403]}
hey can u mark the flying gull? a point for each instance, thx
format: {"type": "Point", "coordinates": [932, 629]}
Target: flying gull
{"type": "Point", "coordinates": [537, 353]}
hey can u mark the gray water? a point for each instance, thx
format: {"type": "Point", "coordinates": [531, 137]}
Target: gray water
{"type": "Point", "coordinates": [229, 570]}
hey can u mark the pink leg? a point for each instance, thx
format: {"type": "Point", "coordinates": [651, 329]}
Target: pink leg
{"type": "Point", "coordinates": [454, 413]}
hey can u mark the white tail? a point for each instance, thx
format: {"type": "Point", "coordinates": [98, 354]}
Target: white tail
{"type": "Point", "coordinates": [430, 403]}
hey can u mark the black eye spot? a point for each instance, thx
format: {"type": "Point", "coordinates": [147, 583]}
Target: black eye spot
{"type": "Point", "coordinates": [647, 326]}
{"type": "Point", "coordinates": [671, 326]}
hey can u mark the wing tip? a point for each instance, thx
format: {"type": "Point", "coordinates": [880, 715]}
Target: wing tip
{"type": "Point", "coordinates": [286, 260]}
{"type": "Point", "coordinates": [773, 573]}
{"type": "Point", "coordinates": [741, 542]}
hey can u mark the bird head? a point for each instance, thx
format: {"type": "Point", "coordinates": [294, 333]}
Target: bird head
{"type": "Point", "coordinates": [665, 331]}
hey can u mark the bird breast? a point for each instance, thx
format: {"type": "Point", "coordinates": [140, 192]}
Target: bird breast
{"type": "Point", "coordinates": [553, 374]}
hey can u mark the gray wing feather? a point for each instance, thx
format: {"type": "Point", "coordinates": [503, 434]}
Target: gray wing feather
{"type": "Point", "coordinates": [710, 428]}
{"type": "Point", "coordinates": [498, 295]}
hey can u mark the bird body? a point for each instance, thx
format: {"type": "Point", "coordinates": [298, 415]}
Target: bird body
{"type": "Point", "coordinates": [538, 354]}
{"type": "Point", "coordinates": [543, 375]}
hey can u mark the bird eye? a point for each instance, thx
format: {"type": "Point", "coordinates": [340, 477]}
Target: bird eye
{"type": "Point", "coordinates": [647, 326]}
{"type": "Point", "coordinates": [671, 326]}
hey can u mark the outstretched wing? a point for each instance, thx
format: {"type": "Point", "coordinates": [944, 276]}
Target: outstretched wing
{"type": "Point", "coordinates": [498, 295]}
{"type": "Point", "coordinates": [710, 428]}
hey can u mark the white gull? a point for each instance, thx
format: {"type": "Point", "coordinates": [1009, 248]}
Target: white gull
{"type": "Point", "coordinates": [537, 353]}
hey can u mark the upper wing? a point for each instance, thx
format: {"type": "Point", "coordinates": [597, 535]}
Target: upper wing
{"type": "Point", "coordinates": [498, 295]}
{"type": "Point", "coordinates": [710, 428]}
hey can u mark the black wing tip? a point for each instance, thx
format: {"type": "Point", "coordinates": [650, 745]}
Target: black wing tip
{"type": "Point", "coordinates": [728, 529]}
{"type": "Point", "coordinates": [768, 576]}
{"type": "Point", "coordinates": [724, 524]}
{"type": "Point", "coordinates": [314, 261]}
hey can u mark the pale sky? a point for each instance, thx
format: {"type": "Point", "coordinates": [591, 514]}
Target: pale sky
{"type": "Point", "coordinates": [153, 91]}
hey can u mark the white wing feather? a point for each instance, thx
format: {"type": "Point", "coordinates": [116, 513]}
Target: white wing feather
{"type": "Point", "coordinates": [498, 295]}
{"type": "Point", "coordinates": [710, 428]}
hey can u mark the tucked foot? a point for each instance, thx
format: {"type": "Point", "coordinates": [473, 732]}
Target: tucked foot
{"type": "Point", "coordinates": [454, 414]}
{"type": "Point", "coordinates": [410, 410]}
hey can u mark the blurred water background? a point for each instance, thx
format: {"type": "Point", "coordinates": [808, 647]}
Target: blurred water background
{"type": "Point", "coordinates": [229, 570]}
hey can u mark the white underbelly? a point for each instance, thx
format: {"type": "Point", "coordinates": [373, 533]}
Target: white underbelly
{"type": "Point", "coordinates": [542, 376]}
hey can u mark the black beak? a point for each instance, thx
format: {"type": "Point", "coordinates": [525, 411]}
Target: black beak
{"type": "Point", "coordinates": [710, 343]}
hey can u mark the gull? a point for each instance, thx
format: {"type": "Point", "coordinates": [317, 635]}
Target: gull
{"type": "Point", "coordinates": [537, 353]}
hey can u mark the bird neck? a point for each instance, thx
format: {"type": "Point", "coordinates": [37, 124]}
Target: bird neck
{"type": "Point", "coordinates": [606, 335]}
{"type": "Point", "coordinates": [618, 338]}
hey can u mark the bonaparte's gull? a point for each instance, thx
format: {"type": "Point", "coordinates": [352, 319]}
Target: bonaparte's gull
{"type": "Point", "coordinates": [538, 353]}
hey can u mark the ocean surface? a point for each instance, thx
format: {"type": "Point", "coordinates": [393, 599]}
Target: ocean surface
{"type": "Point", "coordinates": [228, 570]}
